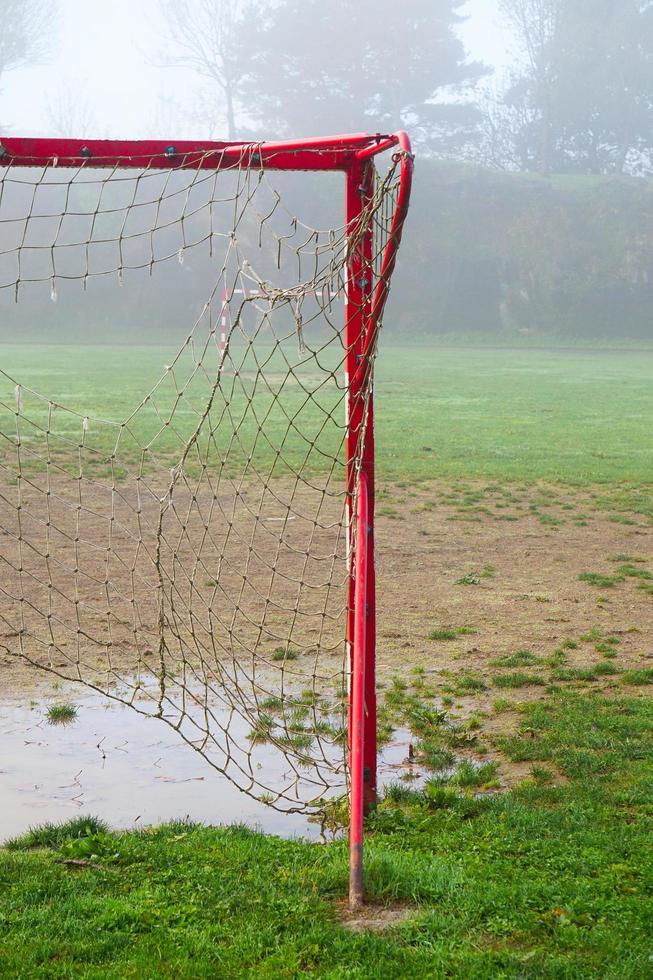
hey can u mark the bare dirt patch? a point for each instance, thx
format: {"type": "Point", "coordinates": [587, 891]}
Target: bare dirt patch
{"type": "Point", "coordinates": [99, 579]}
{"type": "Point", "coordinates": [527, 594]}
{"type": "Point", "coordinates": [502, 564]}
{"type": "Point", "coordinates": [373, 918]}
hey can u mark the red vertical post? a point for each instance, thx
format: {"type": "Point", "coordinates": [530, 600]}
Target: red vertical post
{"type": "Point", "coordinates": [360, 439]}
{"type": "Point", "coordinates": [357, 701]}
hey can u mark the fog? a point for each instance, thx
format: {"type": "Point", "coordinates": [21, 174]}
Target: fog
{"type": "Point", "coordinates": [108, 54]}
{"type": "Point", "coordinates": [532, 206]}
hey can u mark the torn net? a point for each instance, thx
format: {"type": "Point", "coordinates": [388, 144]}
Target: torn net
{"type": "Point", "coordinates": [191, 557]}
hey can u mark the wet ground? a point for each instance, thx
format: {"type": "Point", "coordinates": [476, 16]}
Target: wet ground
{"type": "Point", "coordinates": [563, 576]}
{"type": "Point", "coordinates": [128, 769]}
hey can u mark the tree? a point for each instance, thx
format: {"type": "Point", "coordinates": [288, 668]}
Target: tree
{"type": "Point", "coordinates": [527, 109]}
{"type": "Point", "coordinates": [26, 28]}
{"type": "Point", "coordinates": [69, 113]}
{"type": "Point", "coordinates": [207, 37]}
{"type": "Point", "coordinates": [356, 65]}
{"type": "Point", "coordinates": [583, 99]}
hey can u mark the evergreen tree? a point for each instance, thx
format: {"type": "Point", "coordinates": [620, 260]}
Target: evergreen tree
{"type": "Point", "coordinates": [359, 65]}
{"type": "Point", "coordinates": [583, 101]}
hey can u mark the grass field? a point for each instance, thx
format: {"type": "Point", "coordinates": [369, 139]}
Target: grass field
{"type": "Point", "coordinates": [546, 881]}
{"type": "Point", "coordinates": [531, 527]}
{"type": "Point", "coordinates": [567, 415]}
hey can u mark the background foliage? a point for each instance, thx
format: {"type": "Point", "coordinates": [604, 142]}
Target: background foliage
{"type": "Point", "coordinates": [560, 256]}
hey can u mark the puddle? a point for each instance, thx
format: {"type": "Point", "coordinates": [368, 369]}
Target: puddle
{"type": "Point", "coordinates": [131, 770]}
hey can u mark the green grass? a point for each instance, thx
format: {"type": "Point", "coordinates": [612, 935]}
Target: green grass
{"type": "Point", "coordinates": [631, 572]}
{"type": "Point", "coordinates": [511, 415]}
{"type": "Point", "coordinates": [602, 581]}
{"type": "Point", "coordinates": [433, 756]}
{"type": "Point", "coordinates": [517, 679]}
{"type": "Point", "coordinates": [515, 415]}
{"type": "Point", "coordinates": [575, 674]}
{"type": "Point", "coordinates": [568, 645]}
{"type": "Point", "coordinates": [608, 646]}
{"type": "Point", "coordinates": [54, 835]}
{"type": "Point", "coordinates": [521, 658]}
{"type": "Point", "coordinates": [502, 704]}
{"type": "Point", "coordinates": [545, 881]}
{"type": "Point", "coordinates": [638, 677]}
{"type": "Point", "coordinates": [443, 635]}
{"type": "Point", "coordinates": [468, 775]}
{"type": "Point", "coordinates": [542, 775]}
{"type": "Point", "coordinates": [468, 684]}
{"type": "Point", "coordinates": [283, 653]}
{"type": "Point", "coordinates": [446, 635]}
{"type": "Point", "coordinates": [61, 714]}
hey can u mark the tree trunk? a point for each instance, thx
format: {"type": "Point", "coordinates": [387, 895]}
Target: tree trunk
{"type": "Point", "coordinates": [231, 118]}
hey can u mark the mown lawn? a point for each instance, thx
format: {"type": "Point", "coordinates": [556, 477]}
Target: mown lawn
{"type": "Point", "coordinates": [550, 880]}
{"type": "Point", "coordinates": [557, 415]}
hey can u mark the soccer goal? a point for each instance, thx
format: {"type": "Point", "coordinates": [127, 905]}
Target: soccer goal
{"type": "Point", "coordinates": [204, 552]}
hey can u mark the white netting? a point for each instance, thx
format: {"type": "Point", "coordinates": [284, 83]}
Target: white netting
{"type": "Point", "coordinates": [191, 557]}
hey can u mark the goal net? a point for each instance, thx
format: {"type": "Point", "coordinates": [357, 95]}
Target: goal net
{"type": "Point", "coordinates": [190, 552]}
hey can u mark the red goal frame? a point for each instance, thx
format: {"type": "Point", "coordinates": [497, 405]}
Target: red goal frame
{"type": "Point", "coordinates": [366, 290]}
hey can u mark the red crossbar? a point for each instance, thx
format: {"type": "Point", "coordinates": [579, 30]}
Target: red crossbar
{"type": "Point", "coordinates": [320, 153]}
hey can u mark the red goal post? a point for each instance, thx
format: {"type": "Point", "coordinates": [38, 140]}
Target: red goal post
{"type": "Point", "coordinates": [370, 264]}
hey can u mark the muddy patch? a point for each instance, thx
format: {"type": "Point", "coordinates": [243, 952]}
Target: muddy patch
{"type": "Point", "coordinates": [489, 596]}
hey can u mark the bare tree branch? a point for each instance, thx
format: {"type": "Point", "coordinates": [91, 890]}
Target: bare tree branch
{"type": "Point", "coordinates": [535, 24]}
{"type": "Point", "coordinates": [581, 99]}
{"type": "Point", "coordinates": [205, 36]}
{"type": "Point", "coordinates": [69, 113]}
{"type": "Point", "coordinates": [26, 29]}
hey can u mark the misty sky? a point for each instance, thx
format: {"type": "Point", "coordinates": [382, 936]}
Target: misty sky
{"type": "Point", "coordinates": [107, 51]}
